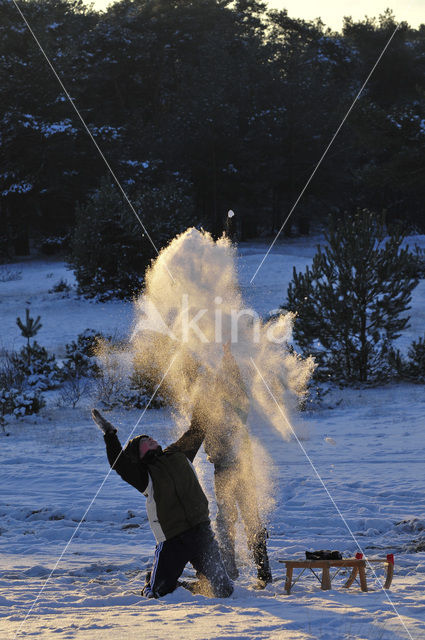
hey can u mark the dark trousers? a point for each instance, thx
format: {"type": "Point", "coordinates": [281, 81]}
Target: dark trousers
{"type": "Point", "coordinates": [197, 546]}
{"type": "Point", "coordinates": [233, 489]}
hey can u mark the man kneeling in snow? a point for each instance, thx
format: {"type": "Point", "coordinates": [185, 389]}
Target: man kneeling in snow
{"type": "Point", "coordinates": [177, 510]}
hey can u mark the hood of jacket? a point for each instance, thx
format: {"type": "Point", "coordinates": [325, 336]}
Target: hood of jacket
{"type": "Point", "coordinates": [132, 450]}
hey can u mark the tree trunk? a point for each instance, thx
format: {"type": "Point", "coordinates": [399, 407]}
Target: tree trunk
{"type": "Point", "coordinates": [21, 243]}
{"type": "Point", "coordinates": [363, 344]}
{"type": "Point", "coordinates": [217, 222]}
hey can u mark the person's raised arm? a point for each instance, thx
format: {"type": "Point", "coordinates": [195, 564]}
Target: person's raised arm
{"type": "Point", "coordinates": [190, 442]}
{"type": "Point", "coordinates": [132, 472]}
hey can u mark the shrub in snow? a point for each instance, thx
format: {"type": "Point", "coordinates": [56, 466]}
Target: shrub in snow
{"type": "Point", "coordinates": [143, 384]}
{"type": "Point", "coordinates": [10, 374]}
{"type": "Point", "coordinates": [110, 250]}
{"type": "Point", "coordinates": [36, 366]}
{"type": "Point", "coordinates": [79, 368]}
{"type": "Point", "coordinates": [20, 403]}
{"type": "Point", "coordinates": [7, 274]}
{"type": "Point", "coordinates": [33, 363]}
{"type": "Point", "coordinates": [80, 356]}
{"type": "Point", "coordinates": [128, 398]}
{"type": "Point", "coordinates": [352, 302]}
{"type": "Point", "coordinates": [116, 387]}
{"type": "Point", "coordinates": [124, 395]}
{"type": "Point", "coordinates": [110, 387]}
{"type": "Point", "coordinates": [111, 382]}
{"type": "Point", "coordinates": [73, 389]}
{"type": "Point", "coordinates": [412, 368]}
{"type": "Point", "coordinates": [61, 286]}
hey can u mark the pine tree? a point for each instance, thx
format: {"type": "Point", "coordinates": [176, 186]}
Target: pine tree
{"type": "Point", "coordinates": [351, 303]}
{"type": "Point", "coordinates": [29, 329]}
{"type": "Point", "coordinates": [110, 250]}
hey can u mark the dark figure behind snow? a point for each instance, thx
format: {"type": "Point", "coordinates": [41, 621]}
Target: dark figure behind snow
{"type": "Point", "coordinates": [228, 447]}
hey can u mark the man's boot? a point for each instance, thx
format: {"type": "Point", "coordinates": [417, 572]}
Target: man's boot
{"type": "Point", "coordinates": [261, 559]}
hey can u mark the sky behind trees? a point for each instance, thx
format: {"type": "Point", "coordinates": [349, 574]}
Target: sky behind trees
{"type": "Point", "coordinates": [333, 11]}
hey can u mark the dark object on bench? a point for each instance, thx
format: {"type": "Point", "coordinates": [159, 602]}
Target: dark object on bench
{"type": "Point", "coordinates": [323, 555]}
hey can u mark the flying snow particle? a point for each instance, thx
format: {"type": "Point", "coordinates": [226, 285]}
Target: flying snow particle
{"type": "Point", "coordinates": [230, 213]}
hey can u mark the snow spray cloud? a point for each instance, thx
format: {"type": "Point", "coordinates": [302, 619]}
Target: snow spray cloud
{"type": "Point", "coordinates": [191, 318]}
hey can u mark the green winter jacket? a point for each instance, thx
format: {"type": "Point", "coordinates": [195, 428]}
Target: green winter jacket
{"type": "Point", "coordinates": [175, 499]}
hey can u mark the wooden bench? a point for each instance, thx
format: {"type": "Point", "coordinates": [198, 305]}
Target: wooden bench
{"type": "Point", "coordinates": [357, 565]}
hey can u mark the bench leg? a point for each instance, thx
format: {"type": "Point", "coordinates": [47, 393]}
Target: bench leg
{"type": "Point", "coordinates": [326, 579]}
{"type": "Point", "coordinates": [362, 576]}
{"type": "Point", "coordinates": [390, 573]}
{"type": "Point", "coordinates": [288, 581]}
{"type": "Point", "coordinates": [351, 578]}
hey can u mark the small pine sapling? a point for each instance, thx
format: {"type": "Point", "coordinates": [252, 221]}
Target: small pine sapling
{"type": "Point", "coordinates": [29, 330]}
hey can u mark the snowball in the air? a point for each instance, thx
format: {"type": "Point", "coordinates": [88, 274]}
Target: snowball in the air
{"type": "Point", "coordinates": [230, 213]}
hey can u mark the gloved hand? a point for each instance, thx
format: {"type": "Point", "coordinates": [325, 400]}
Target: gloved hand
{"type": "Point", "coordinates": [102, 423]}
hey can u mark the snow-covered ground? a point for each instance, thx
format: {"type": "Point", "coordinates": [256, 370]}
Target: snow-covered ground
{"type": "Point", "coordinates": [366, 444]}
